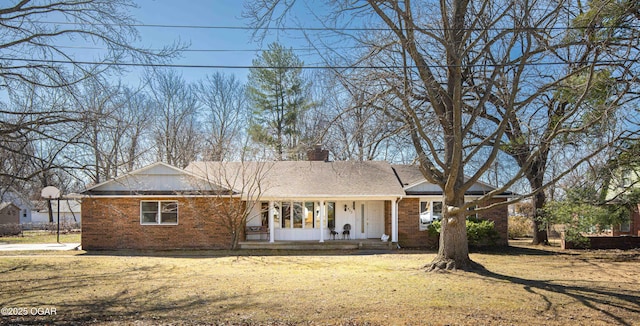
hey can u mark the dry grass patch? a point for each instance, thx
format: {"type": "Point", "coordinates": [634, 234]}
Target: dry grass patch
{"type": "Point", "coordinates": [520, 286]}
{"type": "Point", "coordinates": [42, 237]}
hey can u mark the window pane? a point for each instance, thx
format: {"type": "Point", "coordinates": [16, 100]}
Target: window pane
{"type": "Point", "coordinates": [169, 212]}
{"type": "Point", "coordinates": [264, 213]}
{"type": "Point", "coordinates": [425, 214]}
{"type": "Point", "coordinates": [437, 210]}
{"type": "Point", "coordinates": [149, 217]}
{"type": "Point", "coordinates": [625, 226]}
{"type": "Point", "coordinates": [286, 215]}
{"type": "Point", "coordinates": [309, 215]}
{"type": "Point", "coordinates": [297, 215]}
{"type": "Point", "coordinates": [331, 214]}
{"type": "Point", "coordinates": [149, 211]}
{"type": "Point", "coordinates": [276, 215]}
{"type": "Point", "coordinates": [317, 215]}
{"type": "Point", "coordinates": [471, 213]}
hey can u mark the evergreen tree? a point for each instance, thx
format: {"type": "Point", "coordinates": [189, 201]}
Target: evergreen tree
{"type": "Point", "coordinates": [278, 94]}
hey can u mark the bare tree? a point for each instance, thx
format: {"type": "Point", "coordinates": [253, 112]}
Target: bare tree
{"type": "Point", "coordinates": [223, 100]}
{"type": "Point", "coordinates": [33, 31]}
{"type": "Point", "coordinates": [34, 58]}
{"type": "Point", "coordinates": [178, 140]}
{"type": "Point", "coordinates": [358, 129]}
{"type": "Point", "coordinates": [240, 187]}
{"type": "Point", "coordinates": [445, 66]}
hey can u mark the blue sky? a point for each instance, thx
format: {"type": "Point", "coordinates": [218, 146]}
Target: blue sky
{"type": "Point", "coordinates": [198, 13]}
{"type": "Point", "coordinates": [204, 13]}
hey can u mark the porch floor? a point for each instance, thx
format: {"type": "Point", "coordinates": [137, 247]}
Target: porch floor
{"type": "Point", "coordinates": [316, 245]}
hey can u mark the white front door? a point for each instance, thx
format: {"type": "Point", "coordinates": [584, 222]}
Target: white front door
{"type": "Point", "coordinates": [369, 219]}
{"type": "Point", "coordinates": [375, 219]}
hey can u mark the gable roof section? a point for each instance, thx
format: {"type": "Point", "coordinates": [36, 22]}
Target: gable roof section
{"type": "Point", "coordinates": [156, 179]}
{"type": "Point", "coordinates": [310, 179]}
{"type": "Point", "coordinates": [5, 205]}
{"type": "Point", "coordinates": [415, 184]}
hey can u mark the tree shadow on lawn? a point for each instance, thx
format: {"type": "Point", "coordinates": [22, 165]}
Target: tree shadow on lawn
{"type": "Point", "coordinates": [125, 304]}
{"type": "Point", "coordinates": [592, 298]}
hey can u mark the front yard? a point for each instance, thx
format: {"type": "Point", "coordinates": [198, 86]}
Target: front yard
{"type": "Point", "coordinates": [520, 286]}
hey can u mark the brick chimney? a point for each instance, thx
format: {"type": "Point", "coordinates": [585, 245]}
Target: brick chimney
{"type": "Point", "coordinates": [318, 154]}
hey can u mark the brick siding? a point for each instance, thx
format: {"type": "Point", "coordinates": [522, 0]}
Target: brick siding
{"type": "Point", "coordinates": [500, 218]}
{"type": "Point", "coordinates": [410, 236]}
{"type": "Point", "coordinates": [114, 223]}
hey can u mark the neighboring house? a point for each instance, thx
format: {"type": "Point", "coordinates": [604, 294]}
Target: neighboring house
{"type": "Point", "coordinates": [622, 183]}
{"type": "Point", "coordinates": [18, 200]}
{"type": "Point", "coordinates": [164, 207]}
{"type": "Point", "coordinates": [9, 213]}
{"type": "Point", "coordinates": [70, 211]}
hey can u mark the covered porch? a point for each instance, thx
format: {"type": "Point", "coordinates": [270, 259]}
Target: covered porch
{"type": "Point", "coordinates": [339, 221]}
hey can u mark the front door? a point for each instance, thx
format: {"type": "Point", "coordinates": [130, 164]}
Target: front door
{"type": "Point", "coordinates": [375, 219]}
{"type": "Point", "coordinates": [369, 219]}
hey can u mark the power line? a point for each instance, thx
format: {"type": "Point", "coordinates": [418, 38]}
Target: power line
{"type": "Point", "coordinates": [202, 50]}
{"type": "Point", "coordinates": [341, 29]}
{"type": "Point", "coordinates": [168, 65]}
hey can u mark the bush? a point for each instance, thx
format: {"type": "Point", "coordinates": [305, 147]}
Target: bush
{"type": "Point", "coordinates": [576, 239]}
{"type": "Point", "coordinates": [520, 227]}
{"type": "Point", "coordinates": [10, 229]}
{"type": "Point", "coordinates": [479, 232]}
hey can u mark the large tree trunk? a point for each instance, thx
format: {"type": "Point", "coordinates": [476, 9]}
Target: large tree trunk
{"type": "Point", "coordinates": [453, 252]}
{"type": "Point", "coordinates": [540, 235]}
{"type": "Point", "coordinates": [539, 232]}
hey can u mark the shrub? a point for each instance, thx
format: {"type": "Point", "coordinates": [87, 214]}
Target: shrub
{"type": "Point", "coordinates": [576, 239]}
{"type": "Point", "coordinates": [10, 229]}
{"type": "Point", "coordinates": [479, 232]}
{"type": "Point", "coordinates": [520, 227]}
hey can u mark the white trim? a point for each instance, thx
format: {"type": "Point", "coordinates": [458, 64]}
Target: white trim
{"type": "Point", "coordinates": [394, 219]}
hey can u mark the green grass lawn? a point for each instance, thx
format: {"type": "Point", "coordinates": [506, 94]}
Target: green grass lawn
{"type": "Point", "coordinates": [521, 286]}
{"type": "Point", "coordinates": [41, 237]}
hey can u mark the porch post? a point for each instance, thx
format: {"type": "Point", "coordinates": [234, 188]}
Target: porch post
{"type": "Point", "coordinates": [272, 230]}
{"type": "Point", "coordinates": [322, 217]}
{"type": "Point", "coordinates": [394, 220]}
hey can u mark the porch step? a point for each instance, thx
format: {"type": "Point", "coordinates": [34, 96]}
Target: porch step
{"type": "Point", "coordinates": [315, 245]}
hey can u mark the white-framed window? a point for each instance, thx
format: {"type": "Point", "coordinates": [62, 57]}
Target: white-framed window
{"type": "Point", "coordinates": [159, 212]}
{"type": "Point", "coordinates": [300, 215]}
{"type": "Point", "coordinates": [625, 226]}
{"type": "Point", "coordinates": [471, 213]}
{"type": "Point", "coordinates": [430, 211]}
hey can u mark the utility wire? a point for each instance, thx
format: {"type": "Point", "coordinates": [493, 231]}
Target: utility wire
{"type": "Point", "coordinates": [168, 65]}
{"type": "Point", "coordinates": [342, 29]}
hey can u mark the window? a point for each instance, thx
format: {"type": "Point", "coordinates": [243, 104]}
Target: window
{"type": "Point", "coordinates": [297, 215]}
{"type": "Point", "coordinates": [430, 211]}
{"type": "Point", "coordinates": [309, 210]}
{"type": "Point", "coordinates": [264, 213]}
{"type": "Point", "coordinates": [331, 214]}
{"type": "Point", "coordinates": [276, 214]}
{"type": "Point", "coordinates": [625, 226]}
{"type": "Point", "coordinates": [286, 215]}
{"type": "Point", "coordinates": [471, 213]}
{"type": "Point", "coordinates": [159, 212]}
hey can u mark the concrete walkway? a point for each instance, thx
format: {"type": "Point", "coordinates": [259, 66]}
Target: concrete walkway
{"type": "Point", "coordinates": [38, 246]}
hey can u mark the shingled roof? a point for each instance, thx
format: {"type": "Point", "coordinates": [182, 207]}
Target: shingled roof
{"type": "Point", "coordinates": [306, 179]}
